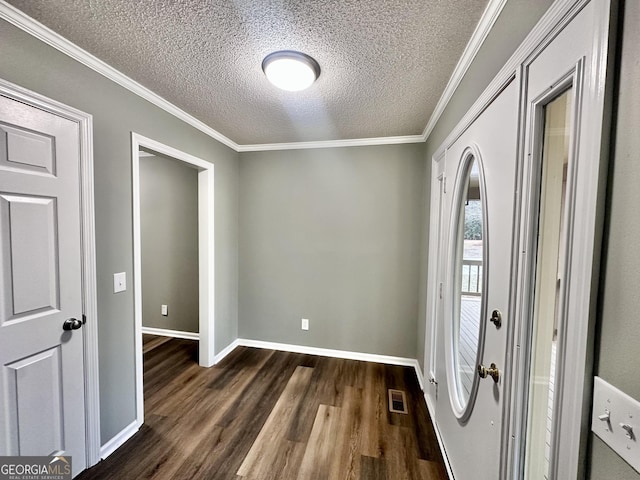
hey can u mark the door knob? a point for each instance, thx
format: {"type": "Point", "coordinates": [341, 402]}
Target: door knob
{"type": "Point", "coordinates": [496, 318]}
{"type": "Point", "coordinates": [492, 372]}
{"type": "Point", "coordinates": [72, 324]}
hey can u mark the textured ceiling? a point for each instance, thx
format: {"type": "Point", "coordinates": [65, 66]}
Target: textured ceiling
{"type": "Point", "coordinates": [384, 63]}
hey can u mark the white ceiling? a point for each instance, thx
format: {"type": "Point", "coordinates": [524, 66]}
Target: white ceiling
{"type": "Point", "coordinates": [385, 63]}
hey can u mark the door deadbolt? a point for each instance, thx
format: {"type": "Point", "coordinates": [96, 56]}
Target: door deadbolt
{"type": "Point", "coordinates": [492, 372]}
{"type": "Point", "coordinates": [496, 318]}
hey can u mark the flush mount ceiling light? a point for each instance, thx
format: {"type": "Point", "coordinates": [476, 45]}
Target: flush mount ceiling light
{"type": "Point", "coordinates": [289, 70]}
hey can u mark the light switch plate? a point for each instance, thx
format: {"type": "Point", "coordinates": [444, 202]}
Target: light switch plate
{"type": "Point", "coordinates": [623, 415]}
{"type": "Point", "coordinates": [119, 282]}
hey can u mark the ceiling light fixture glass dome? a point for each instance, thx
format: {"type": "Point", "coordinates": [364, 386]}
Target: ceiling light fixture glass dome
{"type": "Point", "coordinates": [290, 70]}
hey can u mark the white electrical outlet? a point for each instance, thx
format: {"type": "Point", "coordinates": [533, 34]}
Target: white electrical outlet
{"type": "Point", "coordinates": [164, 310]}
{"type": "Point", "coordinates": [305, 324]}
{"type": "Point", "coordinates": [119, 282]}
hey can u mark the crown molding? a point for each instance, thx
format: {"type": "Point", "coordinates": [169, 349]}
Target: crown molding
{"type": "Point", "coordinates": [57, 41]}
{"type": "Point", "coordinates": [545, 26]}
{"type": "Point", "coordinates": [354, 142]}
{"type": "Point", "coordinates": [43, 33]}
{"type": "Point", "coordinates": [488, 19]}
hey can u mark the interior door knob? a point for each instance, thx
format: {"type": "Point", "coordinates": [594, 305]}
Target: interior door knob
{"type": "Point", "coordinates": [72, 324]}
{"type": "Point", "coordinates": [492, 372]}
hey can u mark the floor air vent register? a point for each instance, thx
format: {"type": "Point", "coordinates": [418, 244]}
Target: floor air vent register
{"type": "Point", "coordinates": [397, 401]}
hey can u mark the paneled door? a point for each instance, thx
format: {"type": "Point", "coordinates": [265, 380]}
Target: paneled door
{"type": "Point", "coordinates": [42, 405]}
{"type": "Point", "coordinates": [478, 203]}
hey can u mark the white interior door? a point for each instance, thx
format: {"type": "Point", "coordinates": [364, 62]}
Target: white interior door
{"type": "Point", "coordinates": [479, 204]}
{"type": "Point", "coordinates": [42, 409]}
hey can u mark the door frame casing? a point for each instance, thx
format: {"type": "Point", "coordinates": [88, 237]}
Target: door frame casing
{"type": "Point", "coordinates": [437, 187]}
{"type": "Point", "coordinates": [88, 254]}
{"type": "Point", "coordinates": [587, 177]}
{"type": "Point", "coordinates": [206, 256]}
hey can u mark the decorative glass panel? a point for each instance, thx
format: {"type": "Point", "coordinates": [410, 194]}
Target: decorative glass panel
{"type": "Point", "coordinates": [469, 274]}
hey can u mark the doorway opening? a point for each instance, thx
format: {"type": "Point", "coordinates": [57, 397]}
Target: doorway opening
{"type": "Point", "coordinates": [205, 258]}
{"type": "Point", "coordinates": [169, 246]}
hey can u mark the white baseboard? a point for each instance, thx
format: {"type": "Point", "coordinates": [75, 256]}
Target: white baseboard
{"type": "Point", "coordinates": [225, 351]}
{"type": "Point", "coordinates": [125, 434]}
{"type": "Point", "coordinates": [165, 332]}
{"type": "Point", "coordinates": [419, 374]}
{"type": "Point", "coordinates": [447, 465]}
{"type": "Point", "coordinates": [327, 352]}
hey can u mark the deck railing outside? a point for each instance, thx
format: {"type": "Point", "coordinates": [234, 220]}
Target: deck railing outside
{"type": "Point", "coordinates": [471, 277]}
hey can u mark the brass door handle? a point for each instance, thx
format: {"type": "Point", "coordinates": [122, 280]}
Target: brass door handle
{"type": "Point", "coordinates": [492, 371]}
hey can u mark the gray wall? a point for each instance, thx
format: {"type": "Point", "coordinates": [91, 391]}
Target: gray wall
{"type": "Point", "coordinates": [618, 332]}
{"type": "Point", "coordinates": [515, 22]}
{"type": "Point", "coordinates": [332, 235]}
{"type": "Point", "coordinates": [169, 243]}
{"type": "Point", "coordinates": [116, 112]}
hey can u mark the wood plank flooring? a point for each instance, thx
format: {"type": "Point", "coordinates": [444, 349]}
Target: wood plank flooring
{"type": "Point", "coordinates": [263, 414]}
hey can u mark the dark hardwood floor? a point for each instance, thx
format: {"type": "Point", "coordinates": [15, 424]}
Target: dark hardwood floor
{"type": "Point", "coordinates": [262, 414]}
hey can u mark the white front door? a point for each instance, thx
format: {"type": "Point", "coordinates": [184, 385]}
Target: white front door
{"type": "Point", "coordinates": [523, 191]}
{"type": "Point", "coordinates": [478, 206]}
{"type": "Point", "coordinates": [42, 405]}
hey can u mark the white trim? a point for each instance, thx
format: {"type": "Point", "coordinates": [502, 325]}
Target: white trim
{"type": "Point", "coordinates": [324, 352]}
{"type": "Point", "coordinates": [445, 458]}
{"type": "Point", "coordinates": [419, 374]}
{"type": "Point", "coordinates": [353, 142]}
{"type": "Point", "coordinates": [225, 351]}
{"type": "Point", "coordinates": [119, 439]}
{"type": "Point", "coordinates": [581, 242]}
{"type": "Point", "coordinates": [89, 293]}
{"type": "Point", "coordinates": [36, 29]}
{"type": "Point", "coordinates": [91, 361]}
{"type": "Point", "coordinates": [436, 221]}
{"type": "Point", "coordinates": [488, 19]}
{"type": "Point", "coordinates": [165, 332]}
{"type": "Point", "coordinates": [327, 352]}
{"type": "Point", "coordinates": [543, 29]}
{"type": "Point", "coordinates": [57, 41]}
{"type": "Point", "coordinates": [206, 256]}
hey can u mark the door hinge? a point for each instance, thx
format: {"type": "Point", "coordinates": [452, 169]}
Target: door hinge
{"type": "Point", "coordinates": [440, 291]}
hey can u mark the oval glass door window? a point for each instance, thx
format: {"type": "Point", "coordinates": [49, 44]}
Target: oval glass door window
{"type": "Point", "coordinates": [469, 280]}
